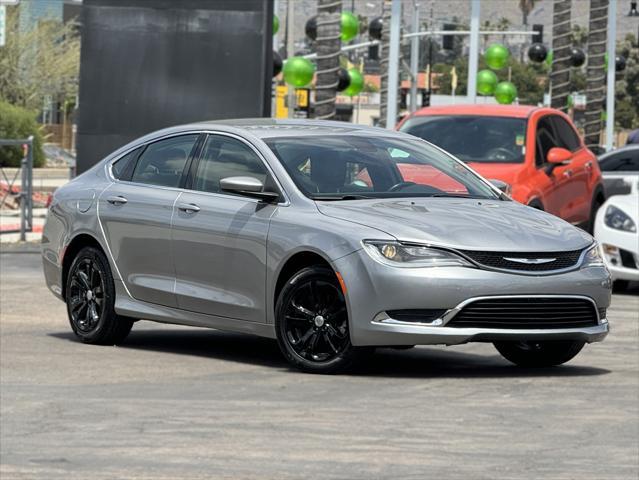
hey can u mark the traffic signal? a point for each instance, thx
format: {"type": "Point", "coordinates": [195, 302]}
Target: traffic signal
{"type": "Point", "coordinates": [538, 37]}
{"type": "Point", "coordinates": [449, 40]}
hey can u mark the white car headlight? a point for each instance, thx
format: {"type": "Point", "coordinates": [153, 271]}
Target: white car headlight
{"type": "Point", "coordinates": [617, 219]}
{"type": "Point", "coordinates": [412, 256]}
{"type": "Point", "coordinates": [593, 257]}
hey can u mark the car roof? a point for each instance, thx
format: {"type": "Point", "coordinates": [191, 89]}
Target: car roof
{"type": "Point", "coordinates": [273, 127]}
{"type": "Point", "coordinates": [516, 111]}
{"type": "Point", "coordinates": [609, 154]}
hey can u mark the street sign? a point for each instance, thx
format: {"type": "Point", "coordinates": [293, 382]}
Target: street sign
{"type": "Point", "coordinates": [3, 23]}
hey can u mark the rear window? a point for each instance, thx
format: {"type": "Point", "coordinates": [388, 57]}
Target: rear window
{"type": "Point", "coordinates": [473, 138]}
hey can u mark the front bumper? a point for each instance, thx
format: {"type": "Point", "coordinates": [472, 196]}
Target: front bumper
{"type": "Point", "coordinates": [374, 289]}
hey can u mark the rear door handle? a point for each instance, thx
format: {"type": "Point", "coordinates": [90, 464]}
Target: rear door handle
{"type": "Point", "coordinates": [588, 165]}
{"type": "Point", "coordinates": [188, 207]}
{"type": "Point", "coordinates": [568, 173]}
{"type": "Point", "coordinates": [116, 200]}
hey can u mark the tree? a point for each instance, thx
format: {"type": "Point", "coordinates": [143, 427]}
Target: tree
{"type": "Point", "coordinates": [627, 87]}
{"type": "Point", "coordinates": [596, 76]}
{"type": "Point", "coordinates": [37, 62]}
{"type": "Point", "coordinates": [561, 44]}
{"type": "Point", "coordinates": [328, 47]}
{"type": "Point", "coordinates": [526, 6]}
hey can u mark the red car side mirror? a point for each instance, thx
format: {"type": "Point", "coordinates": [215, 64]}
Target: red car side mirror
{"type": "Point", "coordinates": [558, 156]}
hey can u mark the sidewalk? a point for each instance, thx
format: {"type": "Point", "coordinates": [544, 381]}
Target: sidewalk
{"type": "Point", "coordinates": [10, 220]}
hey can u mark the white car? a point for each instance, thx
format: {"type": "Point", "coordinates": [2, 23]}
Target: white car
{"type": "Point", "coordinates": [616, 230]}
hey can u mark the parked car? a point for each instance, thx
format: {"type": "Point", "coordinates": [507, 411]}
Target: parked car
{"type": "Point", "coordinates": [616, 229]}
{"type": "Point", "coordinates": [535, 150]}
{"type": "Point", "coordinates": [266, 227]}
{"type": "Point", "coordinates": [620, 170]}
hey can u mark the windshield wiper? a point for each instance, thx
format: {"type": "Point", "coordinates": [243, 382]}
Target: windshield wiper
{"type": "Point", "coordinates": [349, 196]}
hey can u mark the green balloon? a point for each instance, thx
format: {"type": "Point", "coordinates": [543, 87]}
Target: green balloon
{"type": "Point", "coordinates": [350, 26]}
{"type": "Point", "coordinates": [486, 82]}
{"type": "Point", "coordinates": [357, 83]}
{"type": "Point", "coordinates": [505, 93]}
{"type": "Point", "coordinates": [549, 58]}
{"type": "Point", "coordinates": [276, 24]}
{"type": "Point", "coordinates": [298, 71]}
{"type": "Point", "coordinates": [497, 56]}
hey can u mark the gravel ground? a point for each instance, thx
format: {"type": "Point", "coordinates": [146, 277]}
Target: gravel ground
{"type": "Point", "coordinates": [190, 403]}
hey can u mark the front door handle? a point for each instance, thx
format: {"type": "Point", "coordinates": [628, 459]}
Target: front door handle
{"type": "Point", "coordinates": [188, 207]}
{"type": "Point", "coordinates": [568, 173]}
{"type": "Point", "coordinates": [116, 200]}
{"type": "Point", "coordinates": [589, 166]}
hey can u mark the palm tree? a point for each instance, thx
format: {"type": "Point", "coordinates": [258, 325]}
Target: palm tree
{"type": "Point", "coordinates": [328, 50]}
{"type": "Point", "coordinates": [596, 74]}
{"type": "Point", "coordinates": [526, 6]}
{"type": "Point", "coordinates": [561, 45]}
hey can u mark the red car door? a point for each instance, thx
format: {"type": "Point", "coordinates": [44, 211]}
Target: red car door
{"type": "Point", "coordinates": [553, 183]}
{"type": "Point", "coordinates": [579, 171]}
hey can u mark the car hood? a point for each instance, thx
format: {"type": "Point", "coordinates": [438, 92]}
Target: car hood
{"type": "Point", "coordinates": [506, 172]}
{"type": "Point", "coordinates": [462, 223]}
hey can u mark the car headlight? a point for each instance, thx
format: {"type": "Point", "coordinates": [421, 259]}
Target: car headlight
{"type": "Point", "coordinates": [412, 256]}
{"type": "Point", "coordinates": [617, 219]}
{"type": "Point", "coordinates": [593, 257]}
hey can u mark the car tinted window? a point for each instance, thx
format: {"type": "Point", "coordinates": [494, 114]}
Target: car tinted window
{"type": "Point", "coordinates": [623, 161]}
{"type": "Point", "coordinates": [337, 166]}
{"type": "Point", "coordinates": [566, 136]}
{"type": "Point", "coordinates": [473, 138]}
{"type": "Point", "coordinates": [224, 157]}
{"type": "Point", "coordinates": [162, 162]}
{"type": "Point", "coordinates": [122, 168]}
{"type": "Point", "coordinates": [545, 140]}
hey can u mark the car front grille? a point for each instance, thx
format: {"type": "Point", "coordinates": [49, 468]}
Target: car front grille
{"type": "Point", "coordinates": [526, 313]}
{"type": "Point", "coordinates": [525, 261]}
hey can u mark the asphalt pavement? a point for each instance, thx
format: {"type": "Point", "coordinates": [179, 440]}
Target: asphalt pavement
{"type": "Point", "coordinates": [186, 403]}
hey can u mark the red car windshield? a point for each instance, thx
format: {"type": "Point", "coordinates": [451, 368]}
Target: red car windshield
{"type": "Point", "coordinates": [473, 138]}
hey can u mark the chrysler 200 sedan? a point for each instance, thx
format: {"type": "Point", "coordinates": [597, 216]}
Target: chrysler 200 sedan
{"type": "Point", "coordinates": [308, 232]}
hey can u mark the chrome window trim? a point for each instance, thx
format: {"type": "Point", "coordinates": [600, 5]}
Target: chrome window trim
{"type": "Point", "coordinates": [384, 318]}
{"type": "Point", "coordinates": [109, 165]}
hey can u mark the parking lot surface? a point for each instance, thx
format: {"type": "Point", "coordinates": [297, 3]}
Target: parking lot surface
{"type": "Point", "coordinates": [175, 402]}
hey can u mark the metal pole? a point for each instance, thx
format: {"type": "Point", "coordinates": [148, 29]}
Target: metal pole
{"type": "Point", "coordinates": [393, 64]}
{"type": "Point", "coordinates": [473, 57]}
{"type": "Point", "coordinates": [414, 59]}
{"type": "Point", "coordinates": [290, 52]}
{"type": "Point", "coordinates": [610, 89]}
{"type": "Point", "coordinates": [30, 186]}
{"type": "Point", "coordinates": [23, 200]}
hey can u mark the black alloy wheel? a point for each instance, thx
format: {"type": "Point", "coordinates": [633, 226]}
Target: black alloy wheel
{"type": "Point", "coordinates": [86, 295]}
{"type": "Point", "coordinates": [90, 299]}
{"type": "Point", "coordinates": [312, 322]}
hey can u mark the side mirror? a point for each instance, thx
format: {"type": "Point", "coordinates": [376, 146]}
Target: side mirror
{"type": "Point", "coordinates": [557, 156]}
{"type": "Point", "coordinates": [248, 186]}
{"type": "Point", "coordinates": [503, 186]}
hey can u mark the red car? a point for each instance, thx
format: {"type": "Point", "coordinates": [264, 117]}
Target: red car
{"type": "Point", "coordinates": [535, 150]}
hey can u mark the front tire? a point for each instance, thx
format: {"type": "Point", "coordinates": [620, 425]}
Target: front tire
{"type": "Point", "coordinates": [90, 299]}
{"type": "Point", "coordinates": [311, 322]}
{"type": "Point", "coordinates": [535, 354]}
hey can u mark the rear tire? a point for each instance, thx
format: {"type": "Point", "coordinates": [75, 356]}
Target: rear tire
{"type": "Point", "coordinates": [539, 354]}
{"type": "Point", "coordinates": [90, 299]}
{"type": "Point", "coordinates": [596, 205]}
{"type": "Point", "coordinates": [312, 324]}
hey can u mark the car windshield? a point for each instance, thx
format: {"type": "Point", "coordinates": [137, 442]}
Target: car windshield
{"type": "Point", "coordinates": [473, 138]}
{"type": "Point", "coordinates": [353, 166]}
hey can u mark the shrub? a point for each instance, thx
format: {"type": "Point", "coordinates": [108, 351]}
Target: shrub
{"type": "Point", "coordinates": [16, 122]}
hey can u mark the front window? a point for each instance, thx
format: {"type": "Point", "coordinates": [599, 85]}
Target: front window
{"type": "Point", "coordinates": [352, 166]}
{"type": "Point", "coordinates": [473, 138]}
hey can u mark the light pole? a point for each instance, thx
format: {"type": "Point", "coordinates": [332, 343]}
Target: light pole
{"type": "Point", "coordinates": [393, 64]}
{"type": "Point", "coordinates": [473, 54]}
{"type": "Point", "coordinates": [610, 90]}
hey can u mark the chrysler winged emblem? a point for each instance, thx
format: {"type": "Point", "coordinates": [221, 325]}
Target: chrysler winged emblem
{"type": "Point", "coordinates": [530, 261]}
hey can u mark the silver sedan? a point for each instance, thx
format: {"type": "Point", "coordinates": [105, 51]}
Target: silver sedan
{"type": "Point", "coordinates": [329, 237]}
